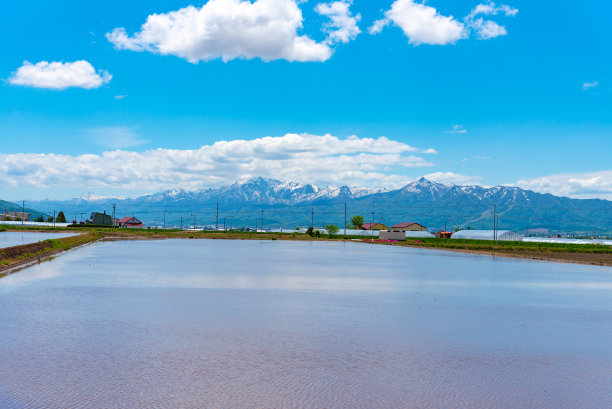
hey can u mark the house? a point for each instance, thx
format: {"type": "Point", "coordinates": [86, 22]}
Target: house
{"type": "Point", "coordinates": [374, 226]}
{"type": "Point", "coordinates": [408, 226]}
{"type": "Point", "coordinates": [100, 219]}
{"type": "Point", "coordinates": [19, 216]}
{"type": "Point", "coordinates": [129, 222]}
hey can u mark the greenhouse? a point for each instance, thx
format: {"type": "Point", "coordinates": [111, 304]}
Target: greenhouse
{"type": "Point", "coordinates": [502, 235]}
{"type": "Point", "coordinates": [419, 235]}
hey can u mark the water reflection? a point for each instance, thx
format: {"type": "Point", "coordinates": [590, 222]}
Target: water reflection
{"type": "Point", "coordinates": [10, 239]}
{"type": "Point", "coordinates": [292, 325]}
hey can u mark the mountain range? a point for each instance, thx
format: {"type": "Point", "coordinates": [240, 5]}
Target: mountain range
{"type": "Point", "coordinates": [289, 204]}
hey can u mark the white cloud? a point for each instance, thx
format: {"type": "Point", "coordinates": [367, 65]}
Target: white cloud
{"type": "Point", "coordinates": [487, 29]}
{"type": "Point", "coordinates": [454, 178]}
{"type": "Point", "coordinates": [588, 85]}
{"type": "Point", "coordinates": [116, 137]}
{"type": "Point", "coordinates": [422, 24]}
{"type": "Point", "coordinates": [321, 159]}
{"type": "Point", "coordinates": [121, 96]}
{"type": "Point", "coordinates": [343, 25]}
{"type": "Point", "coordinates": [457, 129]}
{"type": "Point", "coordinates": [60, 75]}
{"type": "Point", "coordinates": [577, 185]}
{"type": "Point", "coordinates": [226, 29]}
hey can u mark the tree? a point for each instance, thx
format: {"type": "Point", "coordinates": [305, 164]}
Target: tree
{"type": "Point", "coordinates": [310, 231]}
{"type": "Point", "coordinates": [331, 229]}
{"type": "Point", "coordinates": [357, 221]}
{"type": "Point", "coordinates": [60, 217]}
{"type": "Point", "coordinates": [50, 219]}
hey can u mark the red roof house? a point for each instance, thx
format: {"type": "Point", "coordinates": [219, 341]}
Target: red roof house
{"type": "Point", "coordinates": [129, 222]}
{"type": "Point", "coordinates": [374, 226]}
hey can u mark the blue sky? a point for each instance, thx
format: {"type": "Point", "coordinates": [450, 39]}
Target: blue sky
{"type": "Point", "coordinates": [530, 105]}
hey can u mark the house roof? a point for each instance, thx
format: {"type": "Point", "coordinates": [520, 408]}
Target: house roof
{"type": "Point", "coordinates": [405, 224]}
{"type": "Point", "coordinates": [370, 226]}
{"type": "Point", "coordinates": [131, 220]}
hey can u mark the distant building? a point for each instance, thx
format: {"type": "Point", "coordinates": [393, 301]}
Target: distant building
{"type": "Point", "coordinates": [502, 235]}
{"type": "Point", "coordinates": [443, 234]}
{"type": "Point", "coordinates": [374, 226]}
{"type": "Point", "coordinates": [21, 216]}
{"type": "Point", "coordinates": [129, 222]}
{"type": "Point", "coordinates": [100, 219]}
{"type": "Point", "coordinates": [408, 226]}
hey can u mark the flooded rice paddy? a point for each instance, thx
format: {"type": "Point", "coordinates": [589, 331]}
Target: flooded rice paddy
{"type": "Point", "coordinates": [11, 238]}
{"type": "Point", "coordinates": [249, 324]}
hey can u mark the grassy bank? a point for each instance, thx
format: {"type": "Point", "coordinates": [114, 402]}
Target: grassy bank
{"type": "Point", "coordinates": [17, 256]}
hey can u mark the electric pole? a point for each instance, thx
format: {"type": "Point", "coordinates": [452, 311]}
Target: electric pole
{"type": "Point", "coordinates": [344, 219]}
{"type": "Point", "coordinates": [495, 223]}
{"type": "Point", "coordinates": [113, 221]}
{"type": "Point", "coordinates": [262, 225]}
{"type": "Point", "coordinates": [372, 224]}
{"type": "Point", "coordinates": [22, 211]}
{"type": "Point", "coordinates": [164, 218]}
{"type": "Point", "coordinates": [217, 219]}
{"type": "Point", "coordinates": [312, 218]}
{"type": "Point", "coordinates": [181, 222]}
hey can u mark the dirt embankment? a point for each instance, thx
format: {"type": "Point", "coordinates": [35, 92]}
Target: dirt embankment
{"type": "Point", "coordinates": [19, 256]}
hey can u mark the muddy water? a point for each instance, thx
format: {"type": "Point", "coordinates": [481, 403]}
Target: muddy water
{"type": "Point", "coordinates": [246, 324]}
{"type": "Point", "coordinates": [10, 239]}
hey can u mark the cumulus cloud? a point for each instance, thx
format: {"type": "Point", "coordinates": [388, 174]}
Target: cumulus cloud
{"type": "Point", "coordinates": [486, 29]}
{"type": "Point", "coordinates": [116, 137]}
{"type": "Point", "coordinates": [321, 159]}
{"type": "Point", "coordinates": [577, 185]}
{"type": "Point", "coordinates": [343, 25]}
{"type": "Point", "coordinates": [60, 75]}
{"type": "Point", "coordinates": [226, 29]}
{"type": "Point", "coordinates": [588, 85]}
{"type": "Point", "coordinates": [423, 24]}
{"type": "Point", "coordinates": [454, 178]}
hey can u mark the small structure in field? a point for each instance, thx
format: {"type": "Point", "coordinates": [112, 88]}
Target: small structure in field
{"type": "Point", "coordinates": [374, 226]}
{"type": "Point", "coordinates": [100, 219]}
{"type": "Point", "coordinates": [408, 226]}
{"type": "Point", "coordinates": [129, 222]}
{"type": "Point", "coordinates": [392, 235]}
{"type": "Point", "coordinates": [443, 234]}
{"type": "Point", "coordinates": [502, 235]}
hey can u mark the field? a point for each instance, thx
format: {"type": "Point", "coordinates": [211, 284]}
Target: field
{"type": "Point", "coordinates": [19, 256]}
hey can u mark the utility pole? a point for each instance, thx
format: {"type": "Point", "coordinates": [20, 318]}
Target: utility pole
{"type": "Point", "coordinates": [113, 221]}
{"type": "Point", "coordinates": [372, 224]}
{"type": "Point", "coordinates": [217, 219]}
{"type": "Point", "coordinates": [495, 223]}
{"type": "Point", "coordinates": [344, 219]}
{"type": "Point", "coordinates": [312, 219]}
{"type": "Point", "coordinates": [22, 211]}
{"type": "Point", "coordinates": [181, 222]}
{"type": "Point", "coordinates": [164, 218]}
{"type": "Point", "coordinates": [262, 225]}
{"type": "Point", "coordinates": [224, 224]}
{"type": "Point", "coordinates": [53, 218]}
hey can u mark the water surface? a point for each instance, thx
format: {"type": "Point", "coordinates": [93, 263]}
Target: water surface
{"type": "Point", "coordinates": [17, 238]}
{"type": "Point", "coordinates": [248, 324]}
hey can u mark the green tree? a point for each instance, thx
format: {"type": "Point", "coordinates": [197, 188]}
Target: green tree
{"type": "Point", "coordinates": [50, 219]}
{"type": "Point", "coordinates": [332, 229]}
{"type": "Point", "coordinates": [61, 218]}
{"type": "Point", "coordinates": [310, 231]}
{"type": "Point", "coordinates": [357, 221]}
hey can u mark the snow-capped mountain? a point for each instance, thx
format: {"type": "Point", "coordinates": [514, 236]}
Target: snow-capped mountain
{"type": "Point", "coordinates": [288, 203]}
